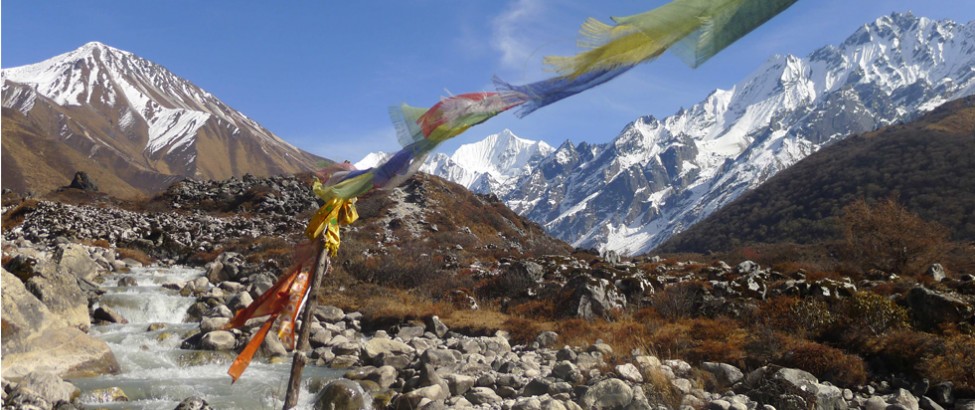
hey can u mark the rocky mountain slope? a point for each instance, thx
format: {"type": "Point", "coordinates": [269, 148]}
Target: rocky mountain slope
{"type": "Point", "coordinates": [661, 176]}
{"type": "Point", "coordinates": [128, 122]}
{"type": "Point", "coordinates": [927, 165]}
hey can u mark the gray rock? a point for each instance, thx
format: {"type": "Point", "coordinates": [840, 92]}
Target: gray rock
{"type": "Point", "coordinates": [330, 314]}
{"type": "Point", "coordinates": [459, 384]}
{"type": "Point", "coordinates": [47, 385]}
{"type": "Point", "coordinates": [608, 394]}
{"type": "Point", "coordinates": [725, 374]}
{"type": "Point", "coordinates": [108, 315]}
{"type": "Point", "coordinates": [547, 339]}
{"type": "Point", "coordinates": [904, 398]}
{"type": "Point", "coordinates": [787, 388]}
{"type": "Point", "coordinates": [240, 301]}
{"type": "Point", "coordinates": [567, 371]}
{"type": "Point", "coordinates": [36, 338]}
{"type": "Point", "coordinates": [441, 357]}
{"type": "Point", "coordinates": [680, 367]}
{"type": "Point", "coordinates": [340, 394]}
{"type": "Point", "coordinates": [590, 298]}
{"type": "Point", "coordinates": [384, 376]}
{"type": "Point", "coordinates": [272, 347]}
{"type": "Point", "coordinates": [407, 333]}
{"type": "Point", "coordinates": [62, 295]}
{"type": "Point", "coordinates": [629, 372]}
{"type": "Point", "coordinates": [719, 405]}
{"type": "Point", "coordinates": [75, 260]}
{"type": "Point", "coordinates": [930, 308]}
{"type": "Point", "coordinates": [482, 396]}
{"type": "Point", "coordinates": [218, 340]}
{"type": "Point", "coordinates": [194, 403]}
{"type": "Point", "coordinates": [936, 272]}
{"type": "Point", "coordinates": [127, 281]}
{"type": "Point", "coordinates": [376, 347]}
{"type": "Point", "coordinates": [537, 387]}
{"type": "Point", "coordinates": [209, 324]}
{"type": "Point", "coordinates": [435, 326]}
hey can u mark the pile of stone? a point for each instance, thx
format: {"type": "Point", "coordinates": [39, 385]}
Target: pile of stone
{"type": "Point", "coordinates": [170, 235]}
{"type": "Point", "coordinates": [276, 195]}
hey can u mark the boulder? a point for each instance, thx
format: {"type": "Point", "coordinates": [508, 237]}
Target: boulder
{"type": "Point", "coordinates": [936, 272]}
{"type": "Point", "coordinates": [83, 182]}
{"type": "Point", "coordinates": [629, 372]}
{"type": "Point", "coordinates": [725, 374]}
{"type": "Point", "coordinates": [459, 384]}
{"type": "Point", "coordinates": [35, 339]}
{"type": "Point", "coordinates": [547, 339]}
{"type": "Point", "coordinates": [589, 298]}
{"type": "Point", "coordinates": [792, 388]}
{"type": "Point", "coordinates": [375, 348]}
{"type": "Point", "coordinates": [931, 308]}
{"type": "Point", "coordinates": [108, 315]}
{"type": "Point", "coordinates": [194, 403]}
{"type": "Point", "coordinates": [62, 295]}
{"type": "Point", "coordinates": [482, 396]}
{"type": "Point", "coordinates": [340, 394]}
{"type": "Point", "coordinates": [218, 340]}
{"type": "Point", "coordinates": [435, 326]}
{"type": "Point", "coordinates": [608, 394]}
{"type": "Point", "coordinates": [47, 385]}
{"type": "Point", "coordinates": [74, 259]}
{"type": "Point", "coordinates": [330, 314]}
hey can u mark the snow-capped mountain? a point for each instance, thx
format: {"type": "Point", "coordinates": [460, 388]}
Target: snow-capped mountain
{"type": "Point", "coordinates": [489, 165]}
{"type": "Point", "coordinates": [114, 106]}
{"type": "Point", "coordinates": [660, 176]}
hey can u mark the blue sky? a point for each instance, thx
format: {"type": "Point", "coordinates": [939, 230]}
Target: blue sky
{"type": "Point", "coordinates": [322, 74]}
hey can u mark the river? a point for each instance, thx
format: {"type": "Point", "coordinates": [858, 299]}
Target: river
{"type": "Point", "coordinates": [157, 374]}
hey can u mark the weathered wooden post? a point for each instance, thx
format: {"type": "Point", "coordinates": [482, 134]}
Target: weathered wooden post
{"type": "Point", "coordinates": [300, 359]}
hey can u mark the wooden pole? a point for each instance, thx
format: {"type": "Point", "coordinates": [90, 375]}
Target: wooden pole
{"type": "Point", "coordinates": [294, 383]}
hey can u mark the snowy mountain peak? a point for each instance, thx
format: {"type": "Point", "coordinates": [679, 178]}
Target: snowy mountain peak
{"type": "Point", "coordinates": [659, 176]}
{"type": "Point", "coordinates": [99, 97]}
{"type": "Point", "coordinates": [136, 91]}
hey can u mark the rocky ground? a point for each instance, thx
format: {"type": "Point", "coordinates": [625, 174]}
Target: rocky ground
{"type": "Point", "coordinates": [49, 286]}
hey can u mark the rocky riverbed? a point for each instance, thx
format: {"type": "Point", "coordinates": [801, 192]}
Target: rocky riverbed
{"type": "Point", "coordinates": [54, 279]}
{"type": "Point", "coordinates": [405, 366]}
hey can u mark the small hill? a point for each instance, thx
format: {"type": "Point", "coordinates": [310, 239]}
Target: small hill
{"type": "Point", "coordinates": [927, 165]}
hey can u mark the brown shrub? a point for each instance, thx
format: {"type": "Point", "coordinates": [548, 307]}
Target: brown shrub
{"type": "Point", "coordinates": [134, 254]}
{"type": "Point", "coordinates": [717, 340]}
{"type": "Point", "coordinates": [535, 308]}
{"type": "Point", "coordinates": [101, 243]}
{"type": "Point", "coordinates": [682, 300]}
{"type": "Point", "coordinates": [868, 311]}
{"type": "Point", "coordinates": [956, 364]}
{"type": "Point", "coordinates": [806, 317]}
{"type": "Point", "coordinates": [521, 330]}
{"type": "Point", "coordinates": [827, 363]}
{"type": "Point", "coordinates": [886, 236]}
{"type": "Point", "coordinates": [15, 217]}
{"type": "Point", "coordinates": [900, 351]}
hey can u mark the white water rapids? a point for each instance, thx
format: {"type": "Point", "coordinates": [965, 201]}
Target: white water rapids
{"type": "Point", "coordinates": [157, 374]}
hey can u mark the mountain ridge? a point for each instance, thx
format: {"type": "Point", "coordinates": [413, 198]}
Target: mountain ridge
{"type": "Point", "coordinates": [660, 176]}
{"type": "Point", "coordinates": [135, 116]}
